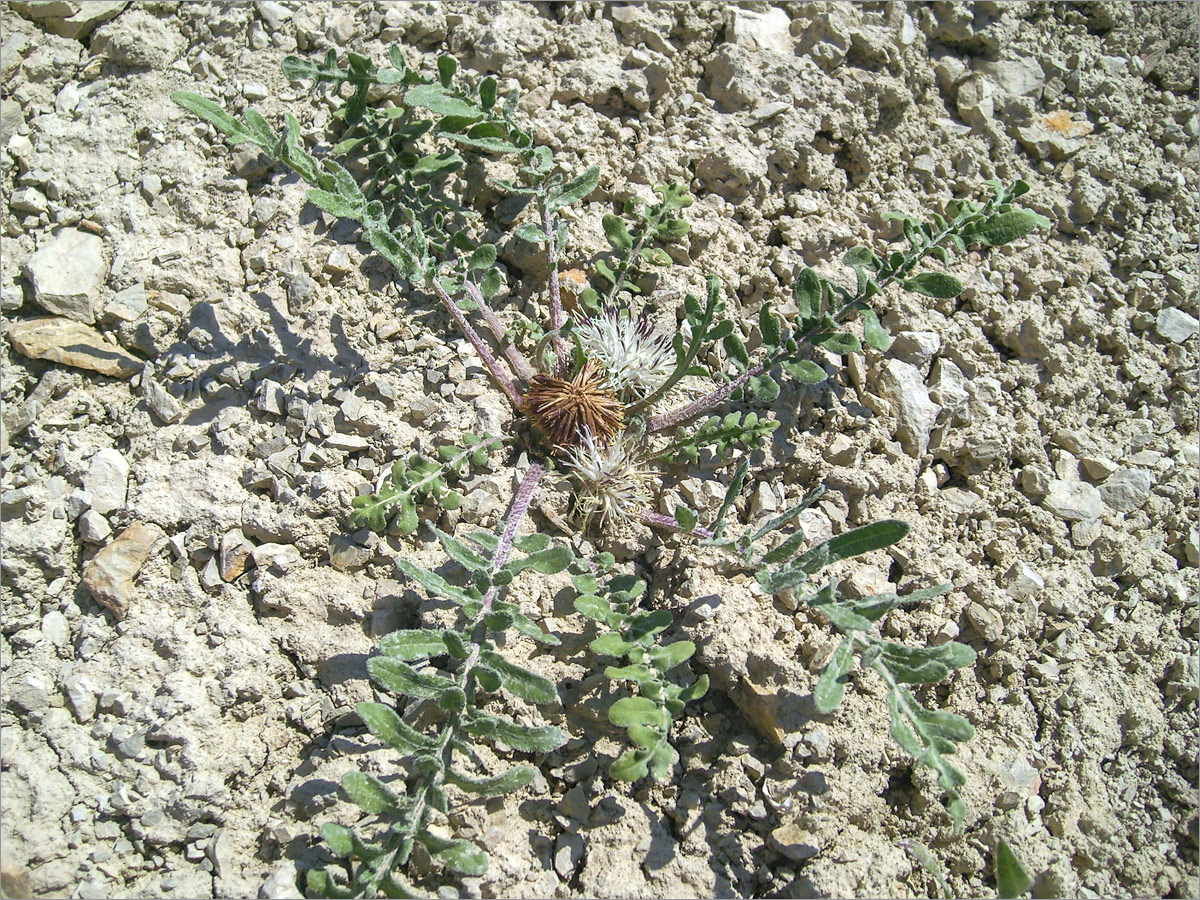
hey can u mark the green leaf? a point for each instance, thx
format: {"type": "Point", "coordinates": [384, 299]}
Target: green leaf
{"type": "Point", "coordinates": [630, 766]}
{"type": "Point", "coordinates": [636, 711]}
{"type": "Point", "coordinates": [805, 370]}
{"type": "Point", "coordinates": [386, 724]}
{"type": "Point", "coordinates": [611, 644]}
{"type": "Point", "coordinates": [487, 679]}
{"type": "Point", "coordinates": [455, 645]}
{"type": "Point", "coordinates": [831, 686]}
{"type": "Point", "coordinates": [514, 779]}
{"type": "Point", "coordinates": [574, 190]}
{"type": "Point", "coordinates": [483, 257]}
{"type": "Point", "coordinates": [686, 517]}
{"type": "Point", "coordinates": [808, 292]}
{"type": "Point", "coordinates": [736, 350]}
{"type": "Point", "coordinates": [458, 855]}
{"type": "Point", "coordinates": [656, 256]}
{"type": "Point", "coordinates": [646, 624]}
{"type": "Point", "coordinates": [1012, 880]}
{"type": "Point", "coordinates": [845, 619]}
{"type": "Point", "coordinates": [673, 229]}
{"type": "Point", "coordinates": [855, 542]}
{"type": "Point", "coordinates": [668, 656]}
{"type": "Point", "coordinates": [433, 582]}
{"type": "Point", "coordinates": [369, 793]}
{"type": "Point", "coordinates": [334, 204]}
{"type": "Point", "coordinates": [838, 342]}
{"type": "Point", "coordinates": [525, 738]}
{"type": "Point", "coordinates": [487, 92]}
{"type": "Point", "coordinates": [452, 700]}
{"type": "Point", "coordinates": [339, 838]}
{"type": "Point", "coordinates": [1003, 227]}
{"type": "Point", "coordinates": [486, 144]}
{"type": "Point", "coordinates": [401, 678]}
{"type": "Point", "coordinates": [954, 654]}
{"type": "Point", "coordinates": [545, 562]}
{"type": "Point", "coordinates": [413, 643]}
{"type": "Point", "coordinates": [935, 284]}
{"type": "Point", "coordinates": [873, 332]}
{"type": "Point", "coordinates": [638, 672]}
{"type": "Point", "coordinates": [947, 725]}
{"type": "Point", "coordinates": [764, 387]}
{"type": "Point", "coordinates": [520, 681]}
{"type": "Point", "coordinates": [768, 324]}
{"type": "Point", "coordinates": [461, 554]}
{"type": "Point", "coordinates": [446, 66]}
{"type": "Point", "coordinates": [862, 258]}
{"type": "Point", "coordinates": [593, 607]}
{"type": "Point", "coordinates": [532, 543]}
{"type": "Point", "coordinates": [695, 690]}
{"type": "Point", "coordinates": [532, 233]}
{"type": "Point", "coordinates": [215, 114]}
{"type": "Point", "coordinates": [434, 98]}
{"type": "Point", "coordinates": [662, 760]}
{"type": "Point", "coordinates": [616, 232]}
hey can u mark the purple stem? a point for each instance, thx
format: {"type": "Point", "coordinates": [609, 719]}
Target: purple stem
{"type": "Point", "coordinates": [556, 310]}
{"type": "Point", "coordinates": [691, 410]}
{"type": "Point", "coordinates": [658, 520]}
{"type": "Point", "coordinates": [480, 347]}
{"type": "Point", "coordinates": [516, 359]}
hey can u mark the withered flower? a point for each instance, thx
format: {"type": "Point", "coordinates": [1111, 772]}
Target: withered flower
{"type": "Point", "coordinates": [562, 410]}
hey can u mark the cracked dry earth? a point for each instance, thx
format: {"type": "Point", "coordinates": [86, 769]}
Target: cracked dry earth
{"type": "Point", "coordinates": [200, 371]}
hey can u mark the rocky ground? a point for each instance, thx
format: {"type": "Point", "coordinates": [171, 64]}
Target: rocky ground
{"type": "Point", "coordinates": [200, 371]}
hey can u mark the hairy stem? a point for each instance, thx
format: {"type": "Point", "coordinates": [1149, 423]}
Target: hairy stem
{"type": "Point", "coordinates": [512, 353]}
{"type": "Point", "coordinates": [556, 310]}
{"type": "Point", "coordinates": [658, 520]}
{"type": "Point", "coordinates": [477, 342]}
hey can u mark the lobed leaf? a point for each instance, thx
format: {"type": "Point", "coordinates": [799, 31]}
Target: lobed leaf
{"type": "Point", "coordinates": [574, 190]}
{"type": "Point", "coordinates": [630, 766]}
{"type": "Point", "coordinates": [526, 738]}
{"type": "Point", "coordinates": [215, 114]}
{"type": "Point", "coordinates": [636, 711]}
{"type": "Point", "coordinates": [434, 98]}
{"type": "Point", "coordinates": [514, 779]}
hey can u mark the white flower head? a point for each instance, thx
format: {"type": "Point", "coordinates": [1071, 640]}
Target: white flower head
{"type": "Point", "coordinates": [636, 358]}
{"type": "Point", "coordinates": [615, 483]}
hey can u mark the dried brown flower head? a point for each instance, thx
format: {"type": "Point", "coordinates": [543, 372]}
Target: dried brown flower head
{"type": "Point", "coordinates": [562, 410]}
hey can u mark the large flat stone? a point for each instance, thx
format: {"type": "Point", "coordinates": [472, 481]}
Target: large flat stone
{"type": "Point", "coordinates": [1073, 500]}
{"type": "Point", "coordinates": [73, 344]}
{"type": "Point", "coordinates": [66, 275]}
{"type": "Point", "coordinates": [109, 576]}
